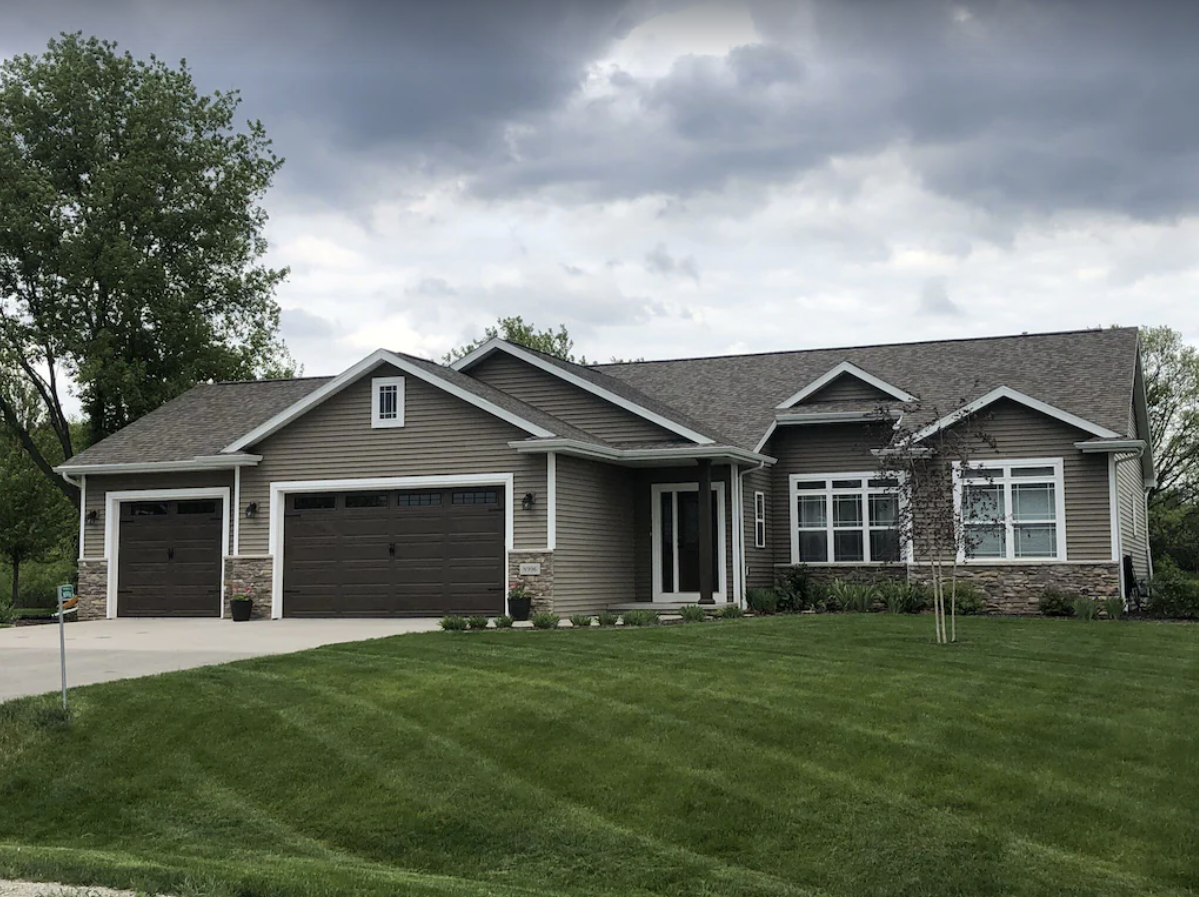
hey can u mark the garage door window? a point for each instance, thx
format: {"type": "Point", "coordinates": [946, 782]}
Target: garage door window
{"type": "Point", "coordinates": [482, 497]}
{"type": "Point", "coordinates": [418, 499]}
{"type": "Point", "coordinates": [366, 500]}
{"type": "Point", "coordinates": [196, 507]}
{"type": "Point", "coordinates": [148, 509]}
{"type": "Point", "coordinates": [315, 502]}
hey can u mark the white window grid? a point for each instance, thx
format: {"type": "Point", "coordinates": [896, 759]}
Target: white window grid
{"type": "Point", "coordinates": [998, 473]}
{"type": "Point", "coordinates": [863, 490]}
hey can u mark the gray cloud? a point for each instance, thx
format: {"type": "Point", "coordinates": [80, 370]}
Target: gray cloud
{"type": "Point", "coordinates": [431, 288]}
{"type": "Point", "coordinates": [659, 261]}
{"type": "Point", "coordinates": [935, 301]}
{"type": "Point", "coordinates": [300, 325]}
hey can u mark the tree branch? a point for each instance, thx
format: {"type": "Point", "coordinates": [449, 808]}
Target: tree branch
{"type": "Point", "coordinates": [9, 413]}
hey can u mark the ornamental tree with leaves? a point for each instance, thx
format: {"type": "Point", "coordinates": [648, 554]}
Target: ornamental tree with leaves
{"type": "Point", "coordinates": [514, 330]}
{"type": "Point", "coordinates": [130, 239]}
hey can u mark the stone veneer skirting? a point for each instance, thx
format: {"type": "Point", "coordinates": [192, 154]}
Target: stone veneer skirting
{"type": "Point", "coordinates": [1016, 588]}
{"type": "Point", "coordinates": [539, 586]}
{"type": "Point", "coordinates": [93, 589]}
{"type": "Point", "coordinates": [254, 573]}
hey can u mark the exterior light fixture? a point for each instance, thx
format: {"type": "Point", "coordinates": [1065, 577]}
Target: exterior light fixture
{"type": "Point", "coordinates": [252, 509]}
{"type": "Point", "coordinates": [92, 516]}
{"type": "Point", "coordinates": [527, 501]}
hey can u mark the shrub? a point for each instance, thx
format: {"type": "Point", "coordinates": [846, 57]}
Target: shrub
{"type": "Point", "coordinates": [1056, 603]}
{"type": "Point", "coordinates": [607, 618]}
{"type": "Point", "coordinates": [795, 590]}
{"type": "Point", "coordinates": [854, 597]}
{"type": "Point", "coordinates": [453, 623]}
{"type": "Point", "coordinates": [762, 601]}
{"type": "Point", "coordinates": [545, 620]}
{"type": "Point", "coordinates": [503, 621]}
{"type": "Point", "coordinates": [1113, 606]}
{"type": "Point", "coordinates": [692, 613]}
{"type": "Point", "coordinates": [1086, 608]}
{"type": "Point", "coordinates": [731, 612]}
{"type": "Point", "coordinates": [967, 600]}
{"type": "Point", "coordinates": [640, 618]}
{"type": "Point", "coordinates": [477, 622]}
{"type": "Point", "coordinates": [1172, 593]}
{"type": "Point", "coordinates": [580, 621]}
{"type": "Point", "coordinates": [903, 597]}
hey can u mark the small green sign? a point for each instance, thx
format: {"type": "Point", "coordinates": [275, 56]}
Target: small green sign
{"type": "Point", "coordinates": [66, 593]}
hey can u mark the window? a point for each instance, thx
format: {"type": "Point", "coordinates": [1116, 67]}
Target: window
{"type": "Point", "coordinates": [387, 402]}
{"type": "Point", "coordinates": [418, 499]}
{"type": "Point", "coordinates": [366, 500]}
{"type": "Point", "coordinates": [845, 519]}
{"type": "Point", "coordinates": [1011, 510]}
{"type": "Point", "coordinates": [147, 509]}
{"type": "Point", "coordinates": [315, 502]}
{"type": "Point", "coordinates": [488, 497]}
{"type": "Point", "coordinates": [204, 506]}
{"type": "Point", "coordinates": [759, 519]}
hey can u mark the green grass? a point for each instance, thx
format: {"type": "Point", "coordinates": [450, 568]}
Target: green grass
{"type": "Point", "coordinates": [821, 755]}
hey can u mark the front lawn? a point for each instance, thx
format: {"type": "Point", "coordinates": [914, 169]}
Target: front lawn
{"type": "Point", "coordinates": [831, 755]}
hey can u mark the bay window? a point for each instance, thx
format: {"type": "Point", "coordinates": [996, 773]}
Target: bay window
{"type": "Point", "coordinates": [1011, 510]}
{"type": "Point", "coordinates": [844, 519]}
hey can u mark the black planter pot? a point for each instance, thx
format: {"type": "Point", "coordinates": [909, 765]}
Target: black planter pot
{"type": "Point", "coordinates": [519, 608]}
{"type": "Point", "coordinates": [241, 610]}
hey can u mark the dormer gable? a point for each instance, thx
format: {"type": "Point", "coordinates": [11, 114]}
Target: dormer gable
{"type": "Point", "coordinates": [846, 383]}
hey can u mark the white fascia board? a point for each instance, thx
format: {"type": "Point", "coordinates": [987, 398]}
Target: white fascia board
{"type": "Point", "coordinates": [341, 381]}
{"type": "Point", "coordinates": [203, 462]}
{"type": "Point", "coordinates": [1113, 446]}
{"type": "Point", "coordinates": [497, 344]}
{"type": "Point", "coordinates": [835, 417]}
{"type": "Point", "coordinates": [1006, 392]}
{"type": "Point", "coordinates": [853, 370]}
{"type": "Point", "coordinates": [766, 436]}
{"type": "Point", "coordinates": [604, 453]}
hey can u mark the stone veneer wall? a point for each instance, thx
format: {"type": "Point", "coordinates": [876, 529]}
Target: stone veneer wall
{"type": "Point", "coordinates": [863, 573]}
{"type": "Point", "coordinates": [93, 589]}
{"type": "Point", "coordinates": [540, 587]}
{"type": "Point", "coordinates": [253, 572]}
{"type": "Point", "coordinates": [1016, 588]}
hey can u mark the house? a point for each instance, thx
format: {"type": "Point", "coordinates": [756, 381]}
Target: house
{"type": "Point", "coordinates": [402, 486]}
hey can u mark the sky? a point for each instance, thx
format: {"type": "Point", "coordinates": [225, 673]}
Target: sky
{"type": "Point", "coordinates": [673, 179]}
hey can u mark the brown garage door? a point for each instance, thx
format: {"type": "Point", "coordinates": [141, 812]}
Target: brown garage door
{"type": "Point", "coordinates": [169, 562]}
{"type": "Point", "coordinates": [389, 553]}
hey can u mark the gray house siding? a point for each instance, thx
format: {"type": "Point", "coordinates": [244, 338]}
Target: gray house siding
{"type": "Point", "coordinates": [847, 388]}
{"type": "Point", "coordinates": [567, 402]}
{"type": "Point", "coordinates": [98, 487]}
{"type": "Point", "coordinates": [596, 536]}
{"type": "Point", "coordinates": [441, 435]}
{"type": "Point", "coordinates": [759, 562]}
{"type": "Point", "coordinates": [1134, 534]}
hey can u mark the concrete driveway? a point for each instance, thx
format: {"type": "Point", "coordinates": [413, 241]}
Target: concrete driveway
{"type": "Point", "coordinates": [104, 650]}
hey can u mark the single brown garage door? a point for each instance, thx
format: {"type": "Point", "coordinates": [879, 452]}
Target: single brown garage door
{"type": "Point", "coordinates": [169, 561]}
{"type": "Point", "coordinates": [389, 553]}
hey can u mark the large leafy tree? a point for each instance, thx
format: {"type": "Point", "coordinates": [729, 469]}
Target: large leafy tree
{"type": "Point", "coordinates": [514, 330]}
{"type": "Point", "coordinates": [130, 239]}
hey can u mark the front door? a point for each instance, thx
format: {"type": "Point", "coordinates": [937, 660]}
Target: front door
{"type": "Point", "coordinates": [676, 541]}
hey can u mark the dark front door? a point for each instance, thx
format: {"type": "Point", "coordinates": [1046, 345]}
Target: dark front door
{"type": "Point", "coordinates": [169, 558]}
{"type": "Point", "coordinates": [394, 553]}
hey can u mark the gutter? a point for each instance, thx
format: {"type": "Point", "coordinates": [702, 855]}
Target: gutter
{"type": "Point", "coordinates": [605, 453]}
{"type": "Point", "coordinates": [200, 462]}
{"type": "Point", "coordinates": [1111, 446]}
{"type": "Point", "coordinates": [835, 417]}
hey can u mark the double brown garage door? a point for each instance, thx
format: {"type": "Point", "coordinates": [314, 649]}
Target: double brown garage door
{"type": "Point", "coordinates": [394, 553]}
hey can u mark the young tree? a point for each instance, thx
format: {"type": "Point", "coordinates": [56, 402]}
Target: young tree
{"type": "Point", "coordinates": [130, 239]}
{"type": "Point", "coordinates": [514, 330]}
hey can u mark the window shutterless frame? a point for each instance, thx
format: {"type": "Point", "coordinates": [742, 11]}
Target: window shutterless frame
{"type": "Point", "coordinates": [840, 510]}
{"type": "Point", "coordinates": [759, 520]}
{"type": "Point", "coordinates": [1015, 518]}
{"type": "Point", "coordinates": [387, 402]}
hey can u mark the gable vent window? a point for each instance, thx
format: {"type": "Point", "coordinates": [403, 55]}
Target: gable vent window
{"type": "Point", "coordinates": [387, 402]}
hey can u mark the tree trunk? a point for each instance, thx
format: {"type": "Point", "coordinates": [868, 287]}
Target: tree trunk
{"type": "Point", "coordinates": [16, 580]}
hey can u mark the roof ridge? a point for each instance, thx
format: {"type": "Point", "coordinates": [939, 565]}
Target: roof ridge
{"type": "Point", "coordinates": [926, 342]}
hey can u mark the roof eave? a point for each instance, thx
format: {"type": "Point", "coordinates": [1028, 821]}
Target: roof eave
{"type": "Point", "coordinates": [608, 453]}
{"type": "Point", "coordinates": [200, 462]}
{"type": "Point", "coordinates": [846, 367]}
{"type": "Point", "coordinates": [1006, 392]}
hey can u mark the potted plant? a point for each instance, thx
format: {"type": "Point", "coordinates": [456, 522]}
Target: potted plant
{"type": "Point", "coordinates": [241, 604]}
{"type": "Point", "coordinates": [519, 602]}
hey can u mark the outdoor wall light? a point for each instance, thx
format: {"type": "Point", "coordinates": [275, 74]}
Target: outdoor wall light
{"type": "Point", "coordinates": [252, 509]}
{"type": "Point", "coordinates": [527, 501]}
{"type": "Point", "coordinates": [92, 516]}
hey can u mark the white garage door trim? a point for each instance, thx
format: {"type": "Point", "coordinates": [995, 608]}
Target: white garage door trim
{"type": "Point", "coordinates": [112, 531]}
{"type": "Point", "coordinates": [280, 490]}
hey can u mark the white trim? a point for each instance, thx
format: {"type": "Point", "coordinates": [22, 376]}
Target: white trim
{"type": "Point", "coordinates": [766, 438]}
{"type": "Point", "coordinates": [551, 512]}
{"type": "Point", "coordinates": [352, 374]}
{"type": "Point", "coordinates": [605, 453]}
{"type": "Point", "coordinates": [1111, 445]}
{"type": "Point", "coordinates": [279, 491]}
{"type": "Point", "coordinates": [865, 491]}
{"type": "Point", "coordinates": [719, 591]}
{"type": "Point", "coordinates": [835, 417]}
{"type": "Point", "coordinates": [200, 462]}
{"type": "Point", "coordinates": [1004, 466]}
{"type": "Point", "coordinates": [82, 514]}
{"type": "Point", "coordinates": [853, 370]}
{"type": "Point", "coordinates": [1113, 498]}
{"type": "Point", "coordinates": [759, 520]}
{"type": "Point", "coordinates": [492, 345]}
{"type": "Point", "coordinates": [112, 531]}
{"type": "Point", "coordinates": [1005, 392]}
{"type": "Point", "coordinates": [737, 502]}
{"type": "Point", "coordinates": [236, 512]}
{"type": "Point", "coordinates": [377, 422]}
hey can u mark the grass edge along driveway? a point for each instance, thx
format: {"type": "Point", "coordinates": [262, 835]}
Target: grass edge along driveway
{"type": "Point", "coordinates": [834, 755]}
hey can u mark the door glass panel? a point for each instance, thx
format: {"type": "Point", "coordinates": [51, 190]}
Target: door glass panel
{"type": "Point", "coordinates": [847, 545]}
{"type": "Point", "coordinates": [688, 542]}
{"type": "Point", "coordinates": [667, 547]}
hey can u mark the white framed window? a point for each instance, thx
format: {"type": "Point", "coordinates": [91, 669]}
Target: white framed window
{"type": "Point", "coordinates": [844, 518]}
{"type": "Point", "coordinates": [759, 520]}
{"type": "Point", "coordinates": [1011, 510]}
{"type": "Point", "coordinates": [387, 402]}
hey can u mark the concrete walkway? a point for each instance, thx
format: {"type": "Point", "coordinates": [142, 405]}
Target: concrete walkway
{"type": "Point", "coordinates": [104, 650]}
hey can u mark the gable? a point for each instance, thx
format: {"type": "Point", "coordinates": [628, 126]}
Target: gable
{"type": "Point", "coordinates": [847, 388]}
{"type": "Point", "coordinates": [567, 402]}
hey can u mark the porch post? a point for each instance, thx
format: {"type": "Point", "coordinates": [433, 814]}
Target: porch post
{"type": "Point", "coordinates": [705, 532]}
